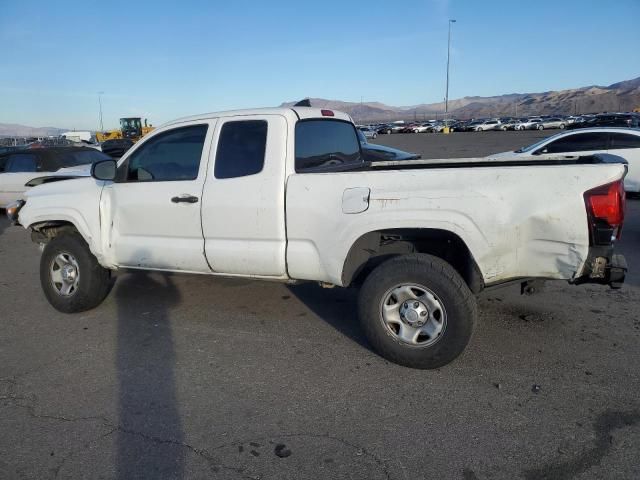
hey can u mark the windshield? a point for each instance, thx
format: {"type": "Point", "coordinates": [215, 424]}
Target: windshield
{"type": "Point", "coordinates": [130, 123]}
{"type": "Point", "coordinates": [537, 144]}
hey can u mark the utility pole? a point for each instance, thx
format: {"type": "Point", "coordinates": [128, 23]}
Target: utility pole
{"type": "Point", "coordinates": [446, 96]}
{"type": "Point", "coordinates": [100, 104]}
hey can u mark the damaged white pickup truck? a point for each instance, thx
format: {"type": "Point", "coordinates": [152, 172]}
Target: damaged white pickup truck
{"type": "Point", "coordinates": [288, 195]}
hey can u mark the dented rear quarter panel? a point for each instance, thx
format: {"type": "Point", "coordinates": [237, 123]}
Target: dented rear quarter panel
{"type": "Point", "coordinates": [517, 221]}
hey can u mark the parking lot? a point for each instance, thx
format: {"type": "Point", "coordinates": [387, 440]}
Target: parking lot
{"type": "Point", "coordinates": [195, 377]}
{"type": "Point", "coordinates": [462, 144]}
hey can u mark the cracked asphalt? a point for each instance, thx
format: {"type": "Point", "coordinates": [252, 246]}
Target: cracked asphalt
{"type": "Point", "coordinates": [179, 376]}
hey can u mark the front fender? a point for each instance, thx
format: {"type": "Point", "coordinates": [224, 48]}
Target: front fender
{"type": "Point", "coordinates": [73, 201]}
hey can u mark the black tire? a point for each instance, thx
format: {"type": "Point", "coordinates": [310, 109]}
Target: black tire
{"type": "Point", "coordinates": [94, 281]}
{"type": "Point", "coordinates": [540, 127]}
{"type": "Point", "coordinates": [441, 279]}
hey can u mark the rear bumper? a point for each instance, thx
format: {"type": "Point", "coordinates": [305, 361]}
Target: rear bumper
{"type": "Point", "coordinates": [604, 267]}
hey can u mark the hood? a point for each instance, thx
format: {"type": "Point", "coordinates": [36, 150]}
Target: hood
{"type": "Point", "coordinates": [376, 153]}
{"type": "Point", "coordinates": [52, 187]}
{"type": "Point", "coordinates": [80, 170]}
{"type": "Point", "coordinates": [66, 173]}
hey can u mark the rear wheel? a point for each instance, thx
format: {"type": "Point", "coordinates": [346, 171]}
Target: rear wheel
{"type": "Point", "coordinates": [417, 311]}
{"type": "Point", "coordinates": [562, 126]}
{"type": "Point", "coordinates": [71, 277]}
{"type": "Point", "coordinates": [540, 127]}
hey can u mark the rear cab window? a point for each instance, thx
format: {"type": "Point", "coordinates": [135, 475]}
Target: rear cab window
{"type": "Point", "coordinates": [241, 149]}
{"type": "Point", "coordinates": [325, 145]}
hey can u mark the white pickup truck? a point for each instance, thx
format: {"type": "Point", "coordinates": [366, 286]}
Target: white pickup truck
{"type": "Point", "coordinates": [284, 194]}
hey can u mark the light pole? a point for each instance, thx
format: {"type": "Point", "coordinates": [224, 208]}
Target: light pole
{"type": "Point", "coordinates": [100, 103]}
{"type": "Point", "coordinates": [446, 96]}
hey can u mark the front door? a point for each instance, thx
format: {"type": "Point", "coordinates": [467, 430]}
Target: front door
{"type": "Point", "coordinates": [154, 206]}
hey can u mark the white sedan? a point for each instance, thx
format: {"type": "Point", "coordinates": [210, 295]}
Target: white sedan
{"type": "Point", "coordinates": [19, 167]}
{"type": "Point", "coordinates": [624, 142]}
{"type": "Point", "coordinates": [531, 124]}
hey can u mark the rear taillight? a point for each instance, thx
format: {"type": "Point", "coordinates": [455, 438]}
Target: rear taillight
{"type": "Point", "coordinates": [605, 210]}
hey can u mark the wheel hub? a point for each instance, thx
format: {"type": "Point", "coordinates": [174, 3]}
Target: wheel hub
{"type": "Point", "coordinates": [414, 313]}
{"type": "Point", "coordinates": [69, 273]}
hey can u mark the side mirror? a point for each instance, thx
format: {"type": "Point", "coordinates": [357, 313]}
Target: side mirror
{"type": "Point", "coordinates": [104, 170]}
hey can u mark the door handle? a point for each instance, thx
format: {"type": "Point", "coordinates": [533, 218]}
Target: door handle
{"type": "Point", "coordinates": [185, 199]}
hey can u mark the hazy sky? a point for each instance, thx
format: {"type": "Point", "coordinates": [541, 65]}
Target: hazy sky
{"type": "Point", "coordinates": [166, 59]}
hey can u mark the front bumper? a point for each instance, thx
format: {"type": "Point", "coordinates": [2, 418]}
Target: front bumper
{"type": "Point", "coordinates": [604, 267]}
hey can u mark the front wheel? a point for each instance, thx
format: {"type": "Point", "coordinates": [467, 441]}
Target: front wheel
{"type": "Point", "coordinates": [71, 277]}
{"type": "Point", "coordinates": [417, 311]}
{"type": "Point", "coordinates": [540, 127]}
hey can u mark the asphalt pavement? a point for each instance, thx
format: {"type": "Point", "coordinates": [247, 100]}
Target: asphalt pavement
{"type": "Point", "coordinates": [178, 376]}
{"type": "Point", "coordinates": [462, 144]}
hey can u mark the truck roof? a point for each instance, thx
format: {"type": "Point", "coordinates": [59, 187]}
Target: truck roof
{"type": "Point", "coordinates": [296, 113]}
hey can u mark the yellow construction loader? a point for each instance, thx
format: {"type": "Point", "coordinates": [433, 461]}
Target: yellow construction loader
{"type": "Point", "coordinates": [130, 127]}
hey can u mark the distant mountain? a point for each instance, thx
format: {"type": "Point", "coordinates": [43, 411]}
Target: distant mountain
{"type": "Point", "coordinates": [15, 130]}
{"type": "Point", "coordinates": [621, 96]}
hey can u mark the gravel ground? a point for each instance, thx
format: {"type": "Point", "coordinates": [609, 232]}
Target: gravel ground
{"type": "Point", "coordinates": [193, 377]}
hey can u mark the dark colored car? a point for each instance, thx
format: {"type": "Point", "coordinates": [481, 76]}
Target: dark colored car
{"type": "Point", "coordinates": [49, 159]}
{"type": "Point", "coordinates": [12, 149]}
{"type": "Point", "coordinates": [117, 147]}
{"type": "Point", "coordinates": [381, 153]}
{"type": "Point", "coordinates": [630, 120]}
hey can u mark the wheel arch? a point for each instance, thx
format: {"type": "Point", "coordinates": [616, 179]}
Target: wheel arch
{"type": "Point", "coordinates": [374, 247]}
{"type": "Point", "coordinates": [53, 228]}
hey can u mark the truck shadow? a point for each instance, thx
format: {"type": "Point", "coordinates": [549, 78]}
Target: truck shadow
{"type": "Point", "coordinates": [4, 222]}
{"type": "Point", "coordinates": [338, 307]}
{"type": "Point", "coordinates": [150, 435]}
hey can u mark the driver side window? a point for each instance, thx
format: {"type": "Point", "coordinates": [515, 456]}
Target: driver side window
{"type": "Point", "coordinates": [170, 156]}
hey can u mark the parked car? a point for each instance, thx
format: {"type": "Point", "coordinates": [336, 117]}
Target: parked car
{"type": "Point", "coordinates": [397, 127]}
{"type": "Point", "coordinates": [488, 125]}
{"type": "Point", "coordinates": [630, 120]}
{"type": "Point", "coordinates": [437, 127]}
{"type": "Point", "coordinates": [116, 147]}
{"type": "Point", "coordinates": [553, 122]}
{"type": "Point", "coordinates": [422, 128]}
{"type": "Point", "coordinates": [385, 129]}
{"type": "Point", "coordinates": [624, 142]}
{"type": "Point", "coordinates": [373, 152]}
{"type": "Point", "coordinates": [17, 168]}
{"type": "Point", "coordinates": [369, 132]}
{"type": "Point", "coordinates": [528, 124]}
{"type": "Point", "coordinates": [420, 238]}
{"type": "Point", "coordinates": [509, 124]}
{"type": "Point", "coordinates": [471, 126]}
